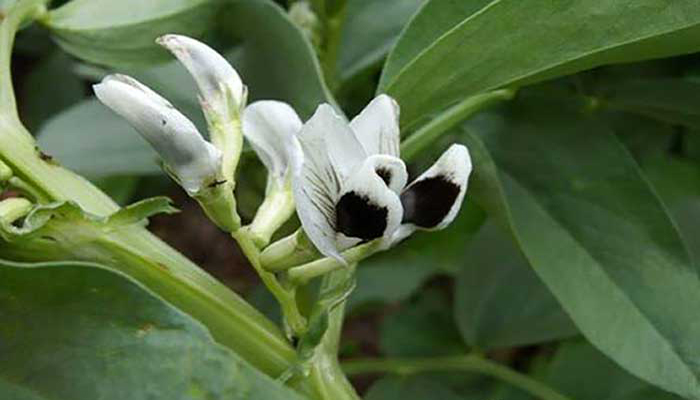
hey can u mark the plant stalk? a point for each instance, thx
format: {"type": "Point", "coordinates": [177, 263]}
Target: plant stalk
{"type": "Point", "coordinates": [467, 363]}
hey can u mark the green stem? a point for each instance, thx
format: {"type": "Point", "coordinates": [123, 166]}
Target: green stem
{"type": "Point", "coordinates": [9, 25]}
{"type": "Point", "coordinates": [427, 134]}
{"type": "Point", "coordinates": [467, 363]}
{"type": "Point", "coordinates": [327, 376]}
{"type": "Point", "coordinates": [285, 297]}
{"type": "Point", "coordinates": [301, 275]}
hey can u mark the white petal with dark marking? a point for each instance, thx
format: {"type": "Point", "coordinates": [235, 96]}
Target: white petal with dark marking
{"type": "Point", "coordinates": [433, 200]}
{"type": "Point", "coordinates": [329, 152]}
{"type": "Point", "coordinates": [270, 127]}
{"type": "Point", "coordinates": [367, 208]}
{"type": "Point", "coordinates": [194, 161]}
{"type": "Point", "coordinates": [377, 126]}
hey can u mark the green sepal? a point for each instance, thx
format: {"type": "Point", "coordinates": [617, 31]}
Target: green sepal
{"type": "Point", "coordinates": [68, 216]}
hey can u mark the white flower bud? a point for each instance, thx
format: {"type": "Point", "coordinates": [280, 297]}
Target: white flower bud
{"type": "Point", "coordinates": [194, 161]}
{"type": "Point", "coordinates": [221, 90]}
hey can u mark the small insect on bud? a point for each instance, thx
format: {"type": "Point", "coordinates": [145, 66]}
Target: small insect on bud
{"type": "Point", "coordinates": [193, 161]}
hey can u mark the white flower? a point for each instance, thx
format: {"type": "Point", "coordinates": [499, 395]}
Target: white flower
{"type": "Point", "coordinates": [270, 127]}
{"type": "Point", "coordinates": [194, 161]}
{"type": "Point", "coordinates": [350, 184]}
{"type": "Point", "coordinates": [222, 93]}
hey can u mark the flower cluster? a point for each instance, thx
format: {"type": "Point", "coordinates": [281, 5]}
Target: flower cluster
{"type": "Point", "coordinates": [348, 181]}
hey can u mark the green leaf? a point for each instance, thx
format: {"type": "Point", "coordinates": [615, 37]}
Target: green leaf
{"type": "Point", "coordinates": [71, 331]}
{"type": "Point", "coordinates": [677, 181]}
{"type": "Point", "coordinates": [370, 29]}
{"type": "Point", "coordinates": [422, 328]}
{"type": "Point", "coordinates": [122, 33]}
{"type": "Point", "coordinates": [492, 313]}
{"type": "Point", "coordinates": [595, 233]}
{"type": "Point", "coordinates": [275, 60]}
{"type": "Point", "coordinates": [51, 87]}
{"type": "Point", "coordinates": [91, 140]}
{"type": "Point", "coordinates": [669, 100]}
{"type": "Point", "coordinates": [581, 372]}
{"type": "Point", "coordinates": [432, 386]}
{"type": "Point", "coordinates": [420, 257]}
{"type": "Point", "coordinates": [455, 49]}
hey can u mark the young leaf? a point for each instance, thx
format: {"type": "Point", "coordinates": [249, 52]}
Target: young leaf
{"type": "Point", "coordinates": [454, 49]}
{"type": "Point", "coordinates": [596, 234]}
{"type": "Point", "coordinates": [500, 301]}
{"type": "Point", "coordinates": [122, 33]}
{"type": "Point", "coordinates": [77, 332]}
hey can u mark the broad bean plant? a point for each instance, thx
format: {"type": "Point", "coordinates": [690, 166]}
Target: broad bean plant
{"type": "Point", "coordinates": [505, 194]}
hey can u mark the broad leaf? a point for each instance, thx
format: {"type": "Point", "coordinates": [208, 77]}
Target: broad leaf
{"type": "Point", "coordinates": [50, 88]}
{"type": "Point", "coordinates": [500, 301]}
{"type": "Point", "coordinates": [370, 29]}
{"type": "Point", "coordinates": [595, 233]}
{"type": "Point", "coordinates": [581, 372]}
{"type": "Point", "coordinates": [275, 60]}
{"type": "Point", "coordinates": [420, 257]}
{"type": "Point", "coordinates": [422, 328]}
{"type": "Point", "coordinates": [674, 101]}
{"type": "Point", "coordinates": [78, 332]}
{"type": "Point", "coordinates": [122, 33]}
{"type": "Point", "coordinates": [454, 49]}
{"type": "Point", "coordinates": [91, 140]}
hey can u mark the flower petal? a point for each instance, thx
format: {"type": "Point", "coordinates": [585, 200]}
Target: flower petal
{"type": "Point", "coordinates": [367, 208]}
{"type": "Point", "coordinates": [215, 77]}
{"type": "Point", "coordinates": [270, 127]}
{"type": "Point", "coordinates": [329, 152]}
{"type": "Point", "coordinates": [192, 159]}
{"type": "Point", "coordinates": [377, 126]}
{"type": "Point", "coordinates": [433, 200]}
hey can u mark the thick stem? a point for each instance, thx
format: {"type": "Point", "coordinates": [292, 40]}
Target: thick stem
{"type": "Point", "coordinates": [427, 134]}
{"type": "Point", "coordinates": [327, 376]}
{"type": "Point", "coordinates": [467, 363]}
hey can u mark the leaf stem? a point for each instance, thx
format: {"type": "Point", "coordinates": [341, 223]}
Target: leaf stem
{"type": "Point", "coordinates": [467, 363]}
{"type": "Point", "coordinates": [301, 275]}
{"type": "Point", "coordinates": [9, 25]}
{"type": "Point", "coordinates": [428, 133]}
{"type": "Point", "coordinates": [286, 297]}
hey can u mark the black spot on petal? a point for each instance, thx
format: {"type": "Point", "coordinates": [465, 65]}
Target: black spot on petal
{"type": "Point", "coordinates": [357, 216]}
{"type": "Point", "coordinates": [385, 174]}
{"type": "Point", "coordinates": [427, 202]}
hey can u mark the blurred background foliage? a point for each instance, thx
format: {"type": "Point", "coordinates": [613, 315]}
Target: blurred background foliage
{"type": "Point", "coordinates": [439, 294]}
